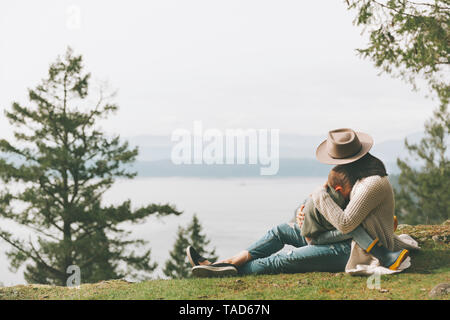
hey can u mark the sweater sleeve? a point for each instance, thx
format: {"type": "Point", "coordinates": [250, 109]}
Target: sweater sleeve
{"type": "Point", "coordinates": [366, 195]}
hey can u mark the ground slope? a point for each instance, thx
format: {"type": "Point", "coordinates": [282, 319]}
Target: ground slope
{"type": "Point", "coordinates": [431, 266]}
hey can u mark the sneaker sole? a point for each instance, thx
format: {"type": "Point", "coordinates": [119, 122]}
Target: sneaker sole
{"type": "Point", "coordinates": [188, 253]}
{"type": "Point", "coordinates": [400, 259]}
{"type": "Point", "coordinates": [208, 272]}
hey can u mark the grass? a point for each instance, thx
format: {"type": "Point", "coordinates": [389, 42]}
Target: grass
{"type": "Point", "coordinates": [430, 266]}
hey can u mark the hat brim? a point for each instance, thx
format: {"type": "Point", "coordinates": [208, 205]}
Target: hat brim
{"type": "Point", "coordinates": [323, 156]}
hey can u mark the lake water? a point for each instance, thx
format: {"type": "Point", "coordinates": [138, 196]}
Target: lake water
{"type": "Point", "coordinates": [234, 212]}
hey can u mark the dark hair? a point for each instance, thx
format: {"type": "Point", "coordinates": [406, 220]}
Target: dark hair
{"type": "Point", "coordinates": [365, 167]}
{"type": "Point", "coordinates": [339, 178]}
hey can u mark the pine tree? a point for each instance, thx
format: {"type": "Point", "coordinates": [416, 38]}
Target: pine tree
{"type": "Point", "coordinates": [64, 164]}
{"type": "Point", "coordinates": [408, 39]}
{"type": "Point", "coordinates": [424, 195]}
{"type": "Point", "coordinates": [178, 265]}
{"type": "Point", "coordinates": [199, 240]}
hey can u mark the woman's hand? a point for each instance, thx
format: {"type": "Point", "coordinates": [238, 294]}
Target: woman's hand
{"type": "Point", "coordinates": [300, 216]}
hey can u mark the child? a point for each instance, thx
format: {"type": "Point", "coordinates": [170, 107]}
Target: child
{"type": "Point", "coordinates": [316, 227]}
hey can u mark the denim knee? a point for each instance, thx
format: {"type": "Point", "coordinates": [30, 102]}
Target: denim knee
{"type": "Point", "coordinates": [270, 243]}
{"type": "Point", "coordinates": [279, 230]}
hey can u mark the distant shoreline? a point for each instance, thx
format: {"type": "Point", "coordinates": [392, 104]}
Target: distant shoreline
{"type": "Point", "coordinates": [288, 167]}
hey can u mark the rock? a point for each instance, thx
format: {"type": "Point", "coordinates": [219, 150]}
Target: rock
{"type": "Point", "coordinates": [440, 290]}
{"type": "Point", "coordinates": [440, 238]}
{"type": "Point", "coordinates": [40, 286]}
{"type": "Point", "coordinates": [303, 282]}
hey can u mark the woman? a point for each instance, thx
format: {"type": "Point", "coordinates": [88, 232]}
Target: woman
{"type": "Point", "coordinates": [371, 203]}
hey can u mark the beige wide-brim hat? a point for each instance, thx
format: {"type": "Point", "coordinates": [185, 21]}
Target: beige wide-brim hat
{"type": "Point", "coordinates": [343, 146]}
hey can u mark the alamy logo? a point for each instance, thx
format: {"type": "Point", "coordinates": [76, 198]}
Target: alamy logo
{"type": "Point", "coordinates": [74, 280]}
{"type": "Point", "coordinates": [232, 146]}
{"type": "Point", "coordinates": [73, 18]}
{"type": "Point", "coordinates": [374, 281]}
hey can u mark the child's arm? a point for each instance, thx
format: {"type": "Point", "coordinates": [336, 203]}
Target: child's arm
{"type": "Point", "coordinates": [330, 237]}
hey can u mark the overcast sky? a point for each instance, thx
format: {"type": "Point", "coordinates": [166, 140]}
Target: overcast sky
{"type": "Point", "coordinates": [288, 65]}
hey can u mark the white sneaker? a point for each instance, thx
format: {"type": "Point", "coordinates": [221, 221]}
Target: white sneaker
{"type": "Point", "coordinates": [214, 270]}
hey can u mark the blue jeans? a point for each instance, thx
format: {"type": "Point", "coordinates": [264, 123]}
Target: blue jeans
{"type": "Point", "coordinates": [304, 258]}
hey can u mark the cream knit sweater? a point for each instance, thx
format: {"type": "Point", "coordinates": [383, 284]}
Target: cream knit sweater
{"type": "Point", "coordinates": [372, 205]}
